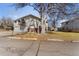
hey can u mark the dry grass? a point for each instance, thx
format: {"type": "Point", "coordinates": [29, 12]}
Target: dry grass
{"type": "Point", "coordinates": [67, 36]}
{"type": "Point", "coordinates": [33, 35]}
{"type": "Point", "coordinates": [2, 30]}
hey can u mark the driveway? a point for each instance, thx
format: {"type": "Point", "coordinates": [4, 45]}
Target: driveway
{"type": "Point", "coordinates": [13, 47]}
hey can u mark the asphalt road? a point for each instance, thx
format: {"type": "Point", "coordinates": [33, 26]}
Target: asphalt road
{"type": "Point", "coordinates": [13, 47]}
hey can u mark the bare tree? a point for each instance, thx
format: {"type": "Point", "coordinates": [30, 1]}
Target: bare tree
{"type": "Point", "coordinates": [58, 11]}
{"type": "Point", "coordinates": [7, 23]}
{"type": "Point", "coordinates": [40, 8]}
{"type": "Point", "coordinates": [51, 10]}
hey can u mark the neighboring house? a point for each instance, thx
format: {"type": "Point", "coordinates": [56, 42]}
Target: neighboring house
{"type": "Point", "coordinates": [71, 25]}
{"type": "Point", "coordinates": [29, 23]}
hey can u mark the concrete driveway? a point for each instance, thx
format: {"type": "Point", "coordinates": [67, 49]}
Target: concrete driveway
{"type": "Point", "coordinates": [13, 47]}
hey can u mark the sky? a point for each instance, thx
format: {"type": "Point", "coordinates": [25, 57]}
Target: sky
{"type": "Point", "coordinates": [8, 10]}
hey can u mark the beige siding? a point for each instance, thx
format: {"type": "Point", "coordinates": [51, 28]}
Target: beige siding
{"type": "Point", "coordinates": [28, 22]}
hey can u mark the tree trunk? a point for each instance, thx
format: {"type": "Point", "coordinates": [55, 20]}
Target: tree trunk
{"type": "Point", "coordinates": [42, 16]}
{"type": "Point", "coordinates": [43, 24]}
{"type": "Point", "coordinates": [43, 28]}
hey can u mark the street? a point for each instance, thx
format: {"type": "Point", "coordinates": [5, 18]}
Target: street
{"type": "Point", "coordinates": [13, 47]}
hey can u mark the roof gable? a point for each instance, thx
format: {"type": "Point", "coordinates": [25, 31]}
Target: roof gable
{"type": "Point", "coordinates": [29, 16]}
{"type": "Point", "coordinates": [72, 20]}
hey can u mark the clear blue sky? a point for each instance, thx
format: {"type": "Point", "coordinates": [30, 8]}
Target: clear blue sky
{"type": "Point", "coordinates": [7, 10]}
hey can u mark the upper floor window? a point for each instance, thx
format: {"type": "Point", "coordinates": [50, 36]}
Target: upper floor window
{"type": "Point", "coordinates": [23, 21]}
{"type": "Point", "coordinates": [15, 21]}
{"type": "Point", "coordinates": [18, 20]}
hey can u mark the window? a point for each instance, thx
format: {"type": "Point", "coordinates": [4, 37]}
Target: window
{"type": "Point", "coordinates": [18, 20]}
{"type": "Point", "coordinates": [23, 21]}
{"type": "Point", "coordinates": [15, 21]}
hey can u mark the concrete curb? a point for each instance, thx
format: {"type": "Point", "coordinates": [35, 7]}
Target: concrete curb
{"type": "Point", "coordinates": [55, 40]}
{"type": "Point", "coordinates": [60, 40]}
{"type": "Point", "coordinates": [22, 38]}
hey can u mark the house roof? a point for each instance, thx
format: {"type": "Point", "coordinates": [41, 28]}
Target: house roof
{"type": "Point", "coordinates": [71, 20]}
{"type": "Point", "coordinates": [30, 15]}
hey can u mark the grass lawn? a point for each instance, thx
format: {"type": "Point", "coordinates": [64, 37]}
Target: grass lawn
{"type": "Point", "coordinates": [67, 36]}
